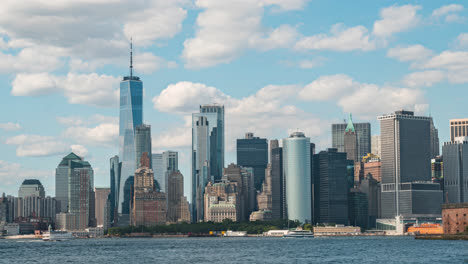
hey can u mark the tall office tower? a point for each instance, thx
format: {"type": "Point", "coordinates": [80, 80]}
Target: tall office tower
{"type": "Point", "coordinates": [455, 155]}
{"type": "Point", "coordinates": [297, 175]}
{"type": "Point", "coordinates": [222, 202]}
{"type": "Point", "coordinates": [350, 142]}
{"type": "Point", "coordinates": [330, 187]}
{"type": "Point", "coordinates": [200, 164]}
{"type": "Point", "coordinates": [61, 180]}
{"type": "Point", "coordinates": [4, 209]}
{"type": "Point", "coordinates": [363, 133]}
{"type": "Point", "coordinates": [143, 143]}
{"type": "Point", "coordinates": [406, 161]}
{"type": "Point", "coordinates": [215, 116]}
{"type": "Point", "coordinates": [273, 145]}
{"type": "Point", "coordinates": [131, 116]}
{"type": "Point", "coordinates": [170, 164]}
{"type": "Point", "coordinates": [101, 196]}
{"type": "Point", "coordinates": [158, 169]}
{"type": "Point", "coordinates": [149, 205]}
{"type": "Point", "coordinates": [252, 152]}
{"type": "Point", "coordinates": [177, 210]}
{"type": "Point", "coordinates": [458, 128]}
{"type": "Point", "coordinates": [115, 168]}
{"type": "Point", "coordinates": [434, 134]}
{"type": "Point", "coordinates": [249, 187]}
{"type": "Point", "coordinates": [277, 191]}
{"type": "Point", "coordinates": [371, 188]}
{"type": "Point", "coordinates": [81, 194]}
{"type": "Point", "coordinates": [358, 208]}
{"type": "Point", "coordinates": [31, 187]}
{"type": "Point", "coordinates": [375, 145]}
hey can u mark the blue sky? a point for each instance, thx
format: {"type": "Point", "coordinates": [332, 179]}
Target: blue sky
{"type": "Point", "coordinates": [277, 66]}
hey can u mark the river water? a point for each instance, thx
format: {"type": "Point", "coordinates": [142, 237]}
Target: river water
{"type": "Point", "coordinates": [236, 250]}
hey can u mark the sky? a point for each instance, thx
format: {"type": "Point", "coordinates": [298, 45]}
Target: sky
{"type": "Point", "coordinates": [277, 65]}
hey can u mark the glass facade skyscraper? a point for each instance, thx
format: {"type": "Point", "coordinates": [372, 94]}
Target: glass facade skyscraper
{"type": "Point", "coordinates": [131, 116]}
{"type": "Point", "coordinates": [61, 180]}
{"type": "Point", "coordinates": [200, 165]}
{"type": "Point", "coordinates": [297, 177]}
{"type": "Point", "coordinates": [115, 167]}
{"type": "Point", "coordinates": [252, 152]}
{"type": "Point", "coordinates": [143, 143]}
{"type": "Point", "coordinates": [158, 169]}
{"type": "Point", "coordinates": [363, 134]}
{"type": "Point", "coordinates": [170, 164]}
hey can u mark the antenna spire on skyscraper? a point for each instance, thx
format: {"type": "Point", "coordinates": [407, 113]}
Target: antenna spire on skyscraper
{"type": "Point", "coordinates": [131, 59]}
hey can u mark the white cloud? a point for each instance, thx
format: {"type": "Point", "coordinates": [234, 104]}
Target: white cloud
{"type": "Point", "coordinates": [327, 87]}
{"type": "Point", "coordinates": [461, 41]}
{"type": "Point", "coordinates": [79, 150]}
{"type": "Point", "coordinates": [147, 63]}
{"type": "Point", "coordinates": [89, 89]}
{"type": "Point", "coordinates": [340, 38]}
{"type": "Point", "coordinates": [308, 64]}
{"type": "Point", "coordinates": [287, 5]}
{"type": "Point", "coordinates": [96, 130]}
{"type": "Point", "coordinates": [449, 60]}
{"type": "Point", "coordinates": [37, 146]}
{"type": "Point", "coordinates": [10, 126]}
{"type": "Point", "coordinates": [424, 78]}
{"type": "Point", "coordinates": [446, 10]}
{"type": "Point", "coordinates": [409, 53]}
{"type": "Point", "coordinates": [12, 174]}
{"type": "Point", "coordinates": [395, 19]}
{"type": "Point", "coordinates": [226, 29]}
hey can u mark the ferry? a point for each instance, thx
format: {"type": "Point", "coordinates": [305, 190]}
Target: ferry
{"type": "Point", "coordinates": [230, 233]}
{"type": "Point", "coordinates": [56, 235]}
{"type": "Point", "coordinates": [299, 233]}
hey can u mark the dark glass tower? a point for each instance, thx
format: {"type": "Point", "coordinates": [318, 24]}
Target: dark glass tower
{"type": "Point", "coordinates": [131, 116]}
{"type": "Point", "coordinates": [253, 152]}
{"type": "Point", "coordinates": [277, 189]}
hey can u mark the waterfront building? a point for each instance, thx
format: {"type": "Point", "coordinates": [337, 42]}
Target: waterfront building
{"type": "Point", "coordinates": [278, 199]}
{"type": "Point", "coordinates": [252, 152]}
{"type": "Point", "coordinates": [363, 134]}
{"type": "Point", "coordinates": [338, 230]}
{"type": "Point", "coordinates": [261, 215]}
{"type": "Point", "coordinates": [31, 187]}
{"type": "Point", "coordinates": [350, 142]}
{"type": "Point", "coordinates": [177, 210]}
{"type": "Point", "coordinates": [330, 187]}
{"type": "Point", "coordinates": [406, 156]}
{"type": "Point", "coordinates": [158, 169]}
{"type": "Point", "coordinates": [101, 198]}
{"type": "Point", "coordinates": [454, 217]}
{"type": "Point", "coordinates": [170, 164]}
{"type": "Point", "coordinates": [200, 165]}
{"type": "Point", "coordinates": [358, 208]}
{"type": "Point", "coordinates": [143, 143]}
{"type": "Point", "coordinates": [115, 169]}
{"type": "Point", "coordinates": [222, 202]}
{"type": "Point", "coordinates": [371, 188]}
{"type": "Point", "coordinates": [81, 201]}
{"type": "Point", "coordinates": [455, 155]}
{"type": "Point", "coordinates": [297, 177]}
{"type": "Point", "coordinates": [148, 206]}
{"type": "Point", "coordinates": [375, 145]}
{"type": "Point", "coordinates": [458, 128]}
{"type": "Point", "coordinates": [131, 116]}
{"type": "Point", "coordinates": [62, 175]}
{"type": "Point", "coordinates": [245, 187]}
{"type": "Point", "coordinates": [4, 210]}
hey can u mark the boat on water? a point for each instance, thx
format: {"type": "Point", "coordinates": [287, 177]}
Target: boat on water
{"type": "Point", "coordinates": [52, 235]}
{"type": "Point", "coordinates": [230, 233]}
{"type": "Point", "coordinates": [299, 233]}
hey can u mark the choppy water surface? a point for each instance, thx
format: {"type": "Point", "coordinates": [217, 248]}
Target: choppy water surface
{"type": "Point", "coordinates": [236, 250]}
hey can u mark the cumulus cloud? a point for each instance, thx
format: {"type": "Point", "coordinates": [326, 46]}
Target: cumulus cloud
{"type": "Point", "coordinates": [97, 130]}
{"type": "Point", "coordinates": [462, 41]}
{"type": "Point", "coordinates": [11, 174]}
{"type": "Point", "coordinates": [10, 126]}
{"type": "Point", "coordinates": [449, 12]}
{"type": "Point", "coordinates": [79, 150]}
{"type": "Point", "coordinates": [395, 19]}
{"type": "Point", "coordinates": [409, 53]}
{"type": "Point", "coordinates": [340, 38]}
{"type": "Point", "coordinates": [89, 89]}
{"type": "Point", "coordinates": [327, 87]}
{"type": "Point", "coordinates": [226, 29]}
{"type": "Point", "coordinates": [37, 146]}
{"type": "Point", "coordinates": [424, 78]}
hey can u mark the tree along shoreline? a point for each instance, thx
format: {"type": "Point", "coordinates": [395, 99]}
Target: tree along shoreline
{"type": "Point", "coordinates": [257, 227]}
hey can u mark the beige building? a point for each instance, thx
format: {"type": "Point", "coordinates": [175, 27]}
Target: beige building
{"type": "Point", "coordinates": [177, 210]}
{"type": "Point", "coordinates": [101, 195]}
{"type": "Point", "coordinates": [222, 202]}
{"type": "Point", "coordinates": [458, 128]}
{"type": "Point", "coordinates": [336, 230]}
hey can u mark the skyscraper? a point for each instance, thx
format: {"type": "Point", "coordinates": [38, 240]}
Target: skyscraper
{"type": "Point", "coordinates": [158, 169]}
{"type": "Point", "coordinates": [143, 142]}
{"type": "Point", "coordinates": [101, 195]}
{"type": "Point", "coordinates": [330, 187]}
{"type": "Point", "coordinates": [62, 174]}
{"type": "Point", "coordinates": [363, 134]}
{"type": "Point", "coordinates": [297, 175]}
{"type": "Point", "coordinates": [253, 152]}
{"type": "Point", "coordinates": [434, 134]}
{"type": "Point", "coordinates": [131, 116]}
{"type": "Point", "coordinates": [200, 165]}
{"type": "Point", "coordinates": [277, 197]}
{"type": "Point", "coordinates": [177, 210]}
{"type": "Point", "coordinates": [115, 168]}
{"type": "Point", "coordinates": [31, 187]}
{"type": "Point", "coordinates": [375, 145]}
{"type": "Point", "coordinates": [458, 128]}
{"type": "Point", "coordinates": [170, 161]}
{"type": "Point", "coordinates": [406, 162]}
{"type": "Point", "coordinates": [455, 155]}
{"type": "Point", "coordinates": [351, 142]}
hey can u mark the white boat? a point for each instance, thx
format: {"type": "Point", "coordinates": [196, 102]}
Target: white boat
{"type": "Point", "coordinates": [230, 233]}
{"type": "Point", "coordinates": [299, 233]}
{"type": "Point", "coordinates": [56, 235]}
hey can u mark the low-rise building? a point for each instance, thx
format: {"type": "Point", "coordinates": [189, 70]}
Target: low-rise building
{"type": "Point", "coordinates": [222, 202]}
{"type": "Point", "coordinates": [263, 215]}
{"type": "Point", "coordinates": [455, 218]}
{"type": "Point", "coordinates": [337, 230]}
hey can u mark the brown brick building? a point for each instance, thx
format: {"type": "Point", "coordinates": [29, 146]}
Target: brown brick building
{"type": "Point", "coordinates": [454, 217]}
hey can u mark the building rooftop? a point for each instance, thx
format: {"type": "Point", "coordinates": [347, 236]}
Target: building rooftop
{"type": "Point", "coordinates": [31, 182]}
{"type": "Point", "coordinates": [297, 135]}
{"type": "Point", "coordinates": [71, 156]}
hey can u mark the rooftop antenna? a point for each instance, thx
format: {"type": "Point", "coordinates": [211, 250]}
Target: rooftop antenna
{"type": "Point", "coordinates": [131, 58]}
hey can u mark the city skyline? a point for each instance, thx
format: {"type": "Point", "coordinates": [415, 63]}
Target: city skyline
{"type": "Point", "coordinates": [60, 98]}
